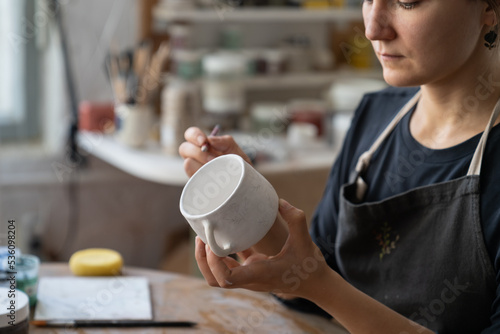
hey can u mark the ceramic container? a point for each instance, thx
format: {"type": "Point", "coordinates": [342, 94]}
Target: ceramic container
{"type": "Point", "coordinates": [133, 124]}
{"type": "Point", "coordinates": [229, 204]}
{"type": "Point", "coordinates": [14, 311]}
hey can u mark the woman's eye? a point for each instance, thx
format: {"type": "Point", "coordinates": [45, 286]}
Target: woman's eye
{"type": "Point", "coordinates": [407, 5]}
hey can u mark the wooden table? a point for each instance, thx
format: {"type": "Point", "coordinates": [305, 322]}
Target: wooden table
{"type": "Point", "coordinates": [217, 311]}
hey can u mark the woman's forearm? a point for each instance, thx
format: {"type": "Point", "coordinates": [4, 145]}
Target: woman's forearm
{"type": "Point", "coordinates": [356, 311]}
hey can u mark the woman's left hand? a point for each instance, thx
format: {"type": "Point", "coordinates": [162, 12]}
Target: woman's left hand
{"type": "Point", "coordinates": [300, 270]}
{"type": "Point", "coordinates": [292, 271]}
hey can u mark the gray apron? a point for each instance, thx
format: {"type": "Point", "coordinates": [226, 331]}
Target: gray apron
{"type": "Point", "coordinates": [421, 252]}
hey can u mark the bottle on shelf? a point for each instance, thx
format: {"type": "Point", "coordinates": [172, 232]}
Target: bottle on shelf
{"type": "Point", "coordinates": [180, 107]}
{"type": "Point", "coordinates": [298, 50]}
{"type": "Point", "coordinates": [181, 36]}
{"type": "Point", "coordinates": [186, 64]}
{"type": "Point", "coordinates": [232, 37]}
{"type": "Point", "coordinates": [223, 88]}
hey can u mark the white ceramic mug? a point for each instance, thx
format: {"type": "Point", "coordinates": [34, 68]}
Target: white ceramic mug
{"type": "Point", "coordinates": [133, 124]}
{"type": "Point", "coordinates": [229, 204]}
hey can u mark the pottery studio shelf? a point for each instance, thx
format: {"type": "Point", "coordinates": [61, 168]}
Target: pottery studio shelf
{"type": "Point", "coordinates": [152, 164]}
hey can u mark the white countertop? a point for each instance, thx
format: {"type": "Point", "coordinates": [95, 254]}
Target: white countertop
{"type": "Point", "coordinates": [152, 164]}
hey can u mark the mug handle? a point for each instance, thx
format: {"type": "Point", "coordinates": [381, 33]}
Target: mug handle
{"type": "Point", "coordinates": [209, 233]}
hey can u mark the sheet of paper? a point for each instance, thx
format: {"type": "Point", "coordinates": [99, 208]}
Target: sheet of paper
{"type": "Point", "coordinates": [93, 298]}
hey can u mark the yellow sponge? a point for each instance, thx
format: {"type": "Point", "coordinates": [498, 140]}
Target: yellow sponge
{"type": "Point", "coordinates": [96, 262]}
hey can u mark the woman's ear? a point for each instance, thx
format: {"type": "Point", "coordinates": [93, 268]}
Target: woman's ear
{"type": "Point", "coordinates": [489, 14]}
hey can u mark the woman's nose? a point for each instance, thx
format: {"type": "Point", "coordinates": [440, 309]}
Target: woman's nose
{"type": "Point", "coordinates": [378, 23]}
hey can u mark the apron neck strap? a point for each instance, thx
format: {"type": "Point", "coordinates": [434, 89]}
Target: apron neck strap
{"type": "Point", "coordinates": [475, 165]}
{"type": "Point", "coordinates": [364, 159]}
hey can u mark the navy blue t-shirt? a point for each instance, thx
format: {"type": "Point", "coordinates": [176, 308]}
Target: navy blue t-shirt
{"type": "Point", "coordinates": [401, 164]}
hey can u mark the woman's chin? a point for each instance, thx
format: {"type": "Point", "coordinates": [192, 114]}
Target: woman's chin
{"type": "Point", "coordinates": [399, 78]}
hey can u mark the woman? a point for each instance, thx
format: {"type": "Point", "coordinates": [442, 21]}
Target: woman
{"type": "Point", "coordinates": [406, 238]}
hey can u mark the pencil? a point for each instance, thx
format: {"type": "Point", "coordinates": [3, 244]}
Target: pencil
{"type": "Point", "coordinates": [111, 323]}
{"type": "Point", "coordinates": [214, 132]}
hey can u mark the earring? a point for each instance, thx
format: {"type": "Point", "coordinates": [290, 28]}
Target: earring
{"type": "Point", "coordinates": [490, 39]}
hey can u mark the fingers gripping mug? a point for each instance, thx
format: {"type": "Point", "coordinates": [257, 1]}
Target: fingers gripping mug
{"type": "Point", "coordinates": [229, 204]}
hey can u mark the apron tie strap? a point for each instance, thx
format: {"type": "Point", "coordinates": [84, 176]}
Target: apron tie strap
{"type": "Point", "coordinates": [363, 162]}
{"type": "Point", "coordinates": [365, 158]}
{"type": "Point", "coordinates": [477, 159]}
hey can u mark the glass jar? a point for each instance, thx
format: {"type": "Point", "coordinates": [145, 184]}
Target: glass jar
{"type": "Point", "coordinates": [27, 267]}
{"type": "Point", "coordinates": [232, 37]}
{"type": "Point", "coordinates": [223, 87]}
{"type": "Point", "coordinates": [298, 53]}
{"type": "Point", "coordinates": [269, 117]}
{"type": "Point", "coordinates": [187, 64]}
{"type": "Point", "coordinates": [252, 58]}
{"type": "Point", "coordinates": [275, 61]}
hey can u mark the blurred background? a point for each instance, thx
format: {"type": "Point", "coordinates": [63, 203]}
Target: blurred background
{"type": "Point", "coordinates": [95, 96]}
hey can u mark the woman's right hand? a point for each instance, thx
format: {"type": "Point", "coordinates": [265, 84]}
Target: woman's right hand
{"type": "Point", "coordinates": [193, 156]}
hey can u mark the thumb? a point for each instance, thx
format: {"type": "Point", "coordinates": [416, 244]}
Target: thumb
{"type": "Point", "coordinates": [295, 218]}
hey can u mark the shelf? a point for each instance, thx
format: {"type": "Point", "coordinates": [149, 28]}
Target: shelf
{"type": "Point", "coordinates": [148, 163]}
{"type": "Point", "coordinates": [152, 164]}
{"type": "Point", "coordinates": [226, 13]}
{"type": "Point", "coordinates": [301, 80]}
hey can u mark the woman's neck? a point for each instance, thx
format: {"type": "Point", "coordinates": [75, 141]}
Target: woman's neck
{"type": "Point", "coordinates": [449, 113]}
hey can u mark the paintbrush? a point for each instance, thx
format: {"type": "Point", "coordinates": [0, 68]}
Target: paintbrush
{"type": "Point", "coordinates": [214, 132]}
{"type": "Point", "coordinates": [110, 323]}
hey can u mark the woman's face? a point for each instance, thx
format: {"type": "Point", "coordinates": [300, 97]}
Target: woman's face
{"type": "Point", "coordinates": [425, 41]}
